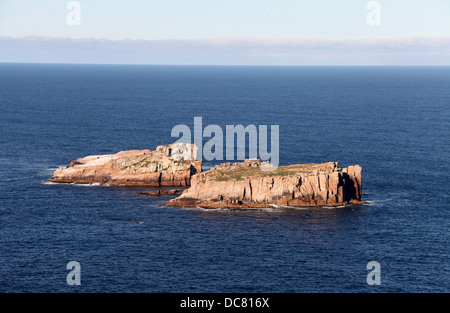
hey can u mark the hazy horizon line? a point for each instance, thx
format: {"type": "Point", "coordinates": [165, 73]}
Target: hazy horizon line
{"type": "Point", "coordinates": [222, 65]}
{"type": "Point", "coordinates": [283, 51]}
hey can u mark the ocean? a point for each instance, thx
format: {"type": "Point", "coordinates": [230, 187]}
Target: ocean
{"type": "Point", "coordinates": [392, 121]}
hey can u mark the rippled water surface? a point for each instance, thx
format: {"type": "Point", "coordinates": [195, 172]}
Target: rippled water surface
{"type": "Point", "coordinates": [394, 122]}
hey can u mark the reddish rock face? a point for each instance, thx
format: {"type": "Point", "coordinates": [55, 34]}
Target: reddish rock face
{"type": "Point", "coordinates": [169, 165]}
{"type": "Point", "coordinates": [246, 185]}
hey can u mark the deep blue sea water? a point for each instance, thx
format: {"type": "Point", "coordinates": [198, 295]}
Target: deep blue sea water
{"type": "Point", "coordinates": [393, 121]}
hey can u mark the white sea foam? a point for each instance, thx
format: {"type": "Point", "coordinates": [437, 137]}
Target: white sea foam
{"type": "Point", "coordinates": [49, 183]}
{"type": "Point", "coordinates": [289, 207]}
{"type": "Point", "coordinates": [72, 184]}
{"type": "Point", "coordinates": [52, 169]}
{"type": "Point", "coordinates": [372, 202]}
{"type": "Point", "coordinates": [85, 185]}
{"type": "Point", "coordinates": [197, 208]}
{"type": "Point", "coordinates": [269, 210]}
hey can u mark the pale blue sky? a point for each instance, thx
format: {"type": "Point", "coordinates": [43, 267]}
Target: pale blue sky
{"type": "Point", "coordinates": [320, 20]}
{"type": "Point", "coordinates": [190, 19]}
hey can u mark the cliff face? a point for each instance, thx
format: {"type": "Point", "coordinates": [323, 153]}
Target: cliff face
{"type": "Point", "coordinates": [244, 185]}
{"type": "Point", "coordinates": [169, 165]}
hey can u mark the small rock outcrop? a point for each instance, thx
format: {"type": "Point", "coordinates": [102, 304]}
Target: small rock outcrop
{"type": "Point", "coordinates": [248, 185]}
{"type": "Point", "coordinates": [168, 165]}
{"type": "Point", "coordinates": [162, 192]}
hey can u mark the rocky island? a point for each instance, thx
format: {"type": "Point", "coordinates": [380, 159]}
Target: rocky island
{"type": "Point", "coordinates": [246, 185]}
{"type": "Point", "coordinates": [168, 165]}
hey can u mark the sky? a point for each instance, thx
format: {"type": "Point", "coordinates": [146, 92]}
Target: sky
{"type": "Point", "coordinates": [235, 32]}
